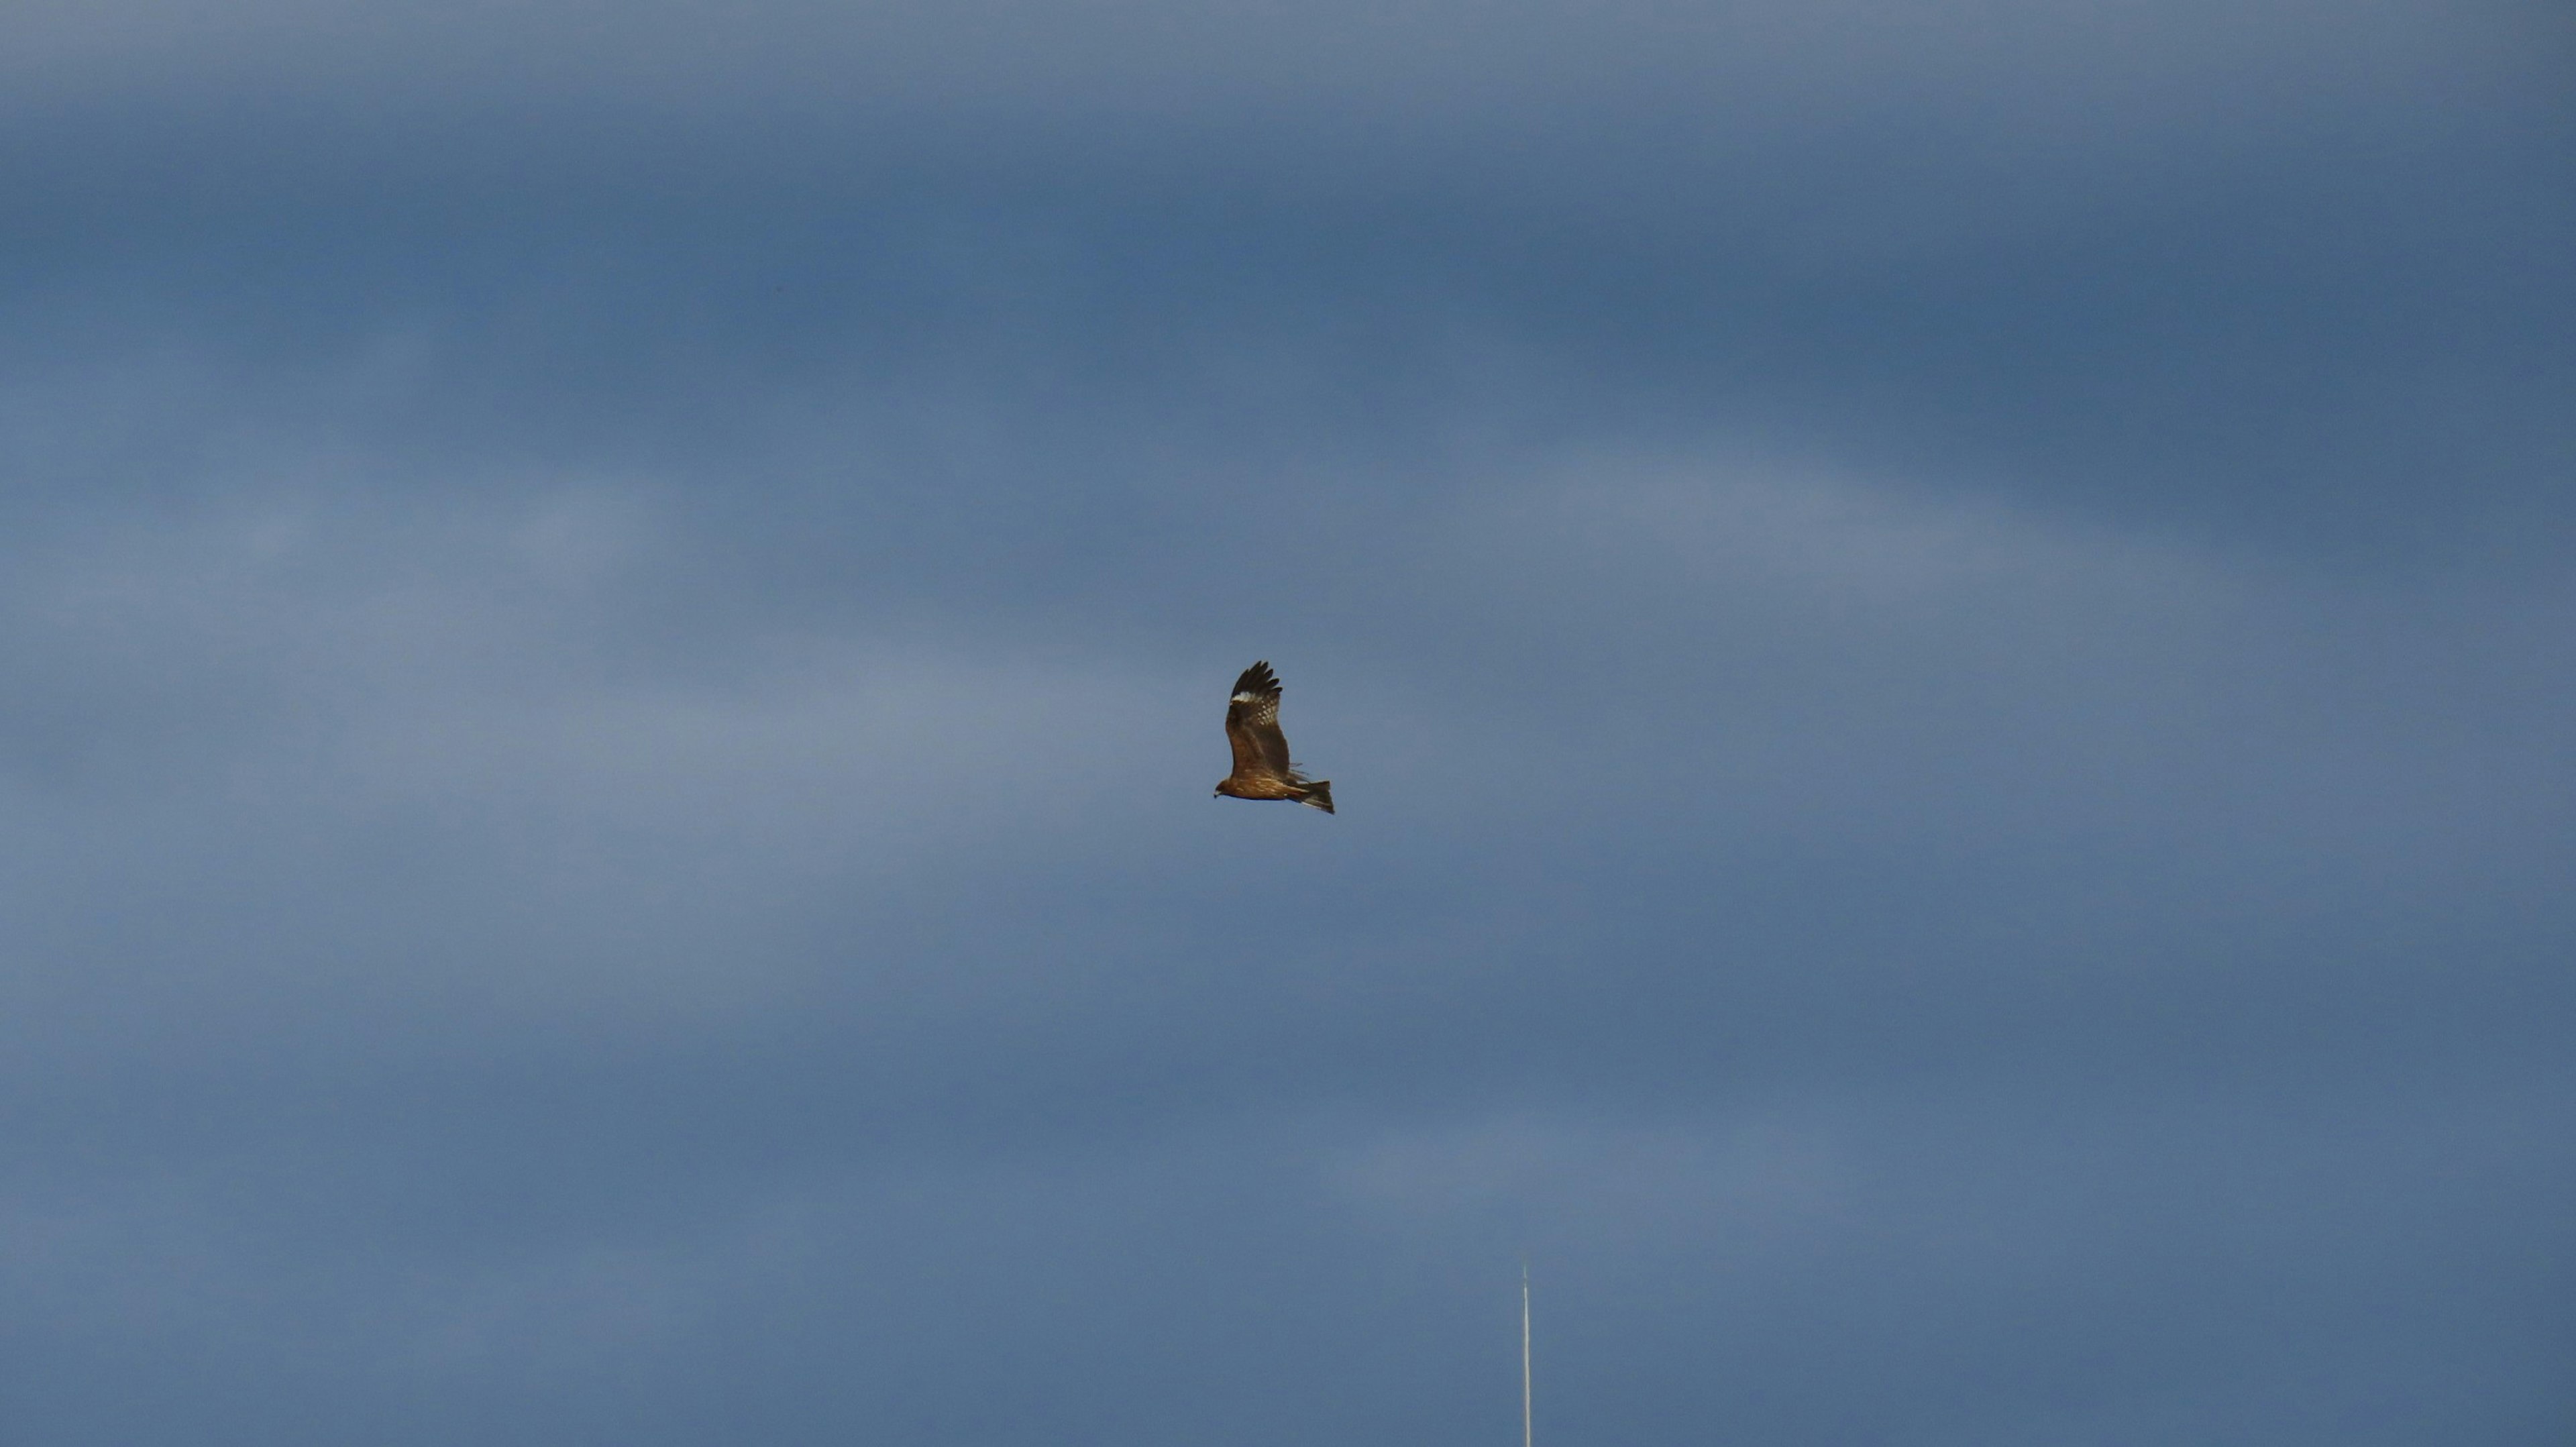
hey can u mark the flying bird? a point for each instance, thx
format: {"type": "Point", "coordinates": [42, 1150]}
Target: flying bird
{"type": "Point", "coordinates": [1261, 767]}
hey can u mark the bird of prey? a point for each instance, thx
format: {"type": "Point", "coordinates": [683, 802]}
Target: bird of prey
{"type": "Point", "coordinates": [1261, 767]}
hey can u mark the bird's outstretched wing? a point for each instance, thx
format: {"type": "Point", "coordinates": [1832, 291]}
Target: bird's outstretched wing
{"type": "Point", "coordinates": [1252, 726]}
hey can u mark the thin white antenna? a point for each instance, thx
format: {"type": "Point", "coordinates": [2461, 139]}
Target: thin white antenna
{"type": "Point", "coordinates": [1525, 1355]}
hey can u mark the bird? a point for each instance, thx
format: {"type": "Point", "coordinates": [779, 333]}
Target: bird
{"type": "Point", "coordinates": [1261, 767]}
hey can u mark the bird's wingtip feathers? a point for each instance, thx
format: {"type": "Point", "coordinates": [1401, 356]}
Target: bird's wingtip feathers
{"type": "Point", "coordinates": [1257, 681]}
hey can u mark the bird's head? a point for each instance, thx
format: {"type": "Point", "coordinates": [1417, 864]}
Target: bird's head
{"type": "Point", "coordinates": [1221, 789]}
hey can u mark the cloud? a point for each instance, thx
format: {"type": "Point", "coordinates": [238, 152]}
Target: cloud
{"type": "Point", "coordinates": [1416, 64]}
{"type": "Point", "coordinates": [1942, 645]}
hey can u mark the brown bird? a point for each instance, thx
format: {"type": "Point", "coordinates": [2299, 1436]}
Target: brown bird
{"type": "Point", "coordinates": [1261, 767]}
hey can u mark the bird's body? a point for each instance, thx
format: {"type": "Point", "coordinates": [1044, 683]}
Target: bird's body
{"type": "Point", "coordinates": [1261, 766]}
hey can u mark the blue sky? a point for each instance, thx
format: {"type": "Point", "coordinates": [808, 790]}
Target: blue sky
{"type": "Point", "coordinates": [1944, 635]}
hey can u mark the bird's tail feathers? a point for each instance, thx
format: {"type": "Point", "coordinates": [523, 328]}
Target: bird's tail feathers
{"type": "Point", "coordinates": [1318, 795]}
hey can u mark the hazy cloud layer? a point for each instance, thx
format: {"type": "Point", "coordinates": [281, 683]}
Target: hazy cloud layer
{"type": "Point", "coordinates": [1946, 645]}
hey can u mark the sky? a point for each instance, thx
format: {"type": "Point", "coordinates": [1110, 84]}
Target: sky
{"type": "Point", "coordinates": [1945, 633]}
